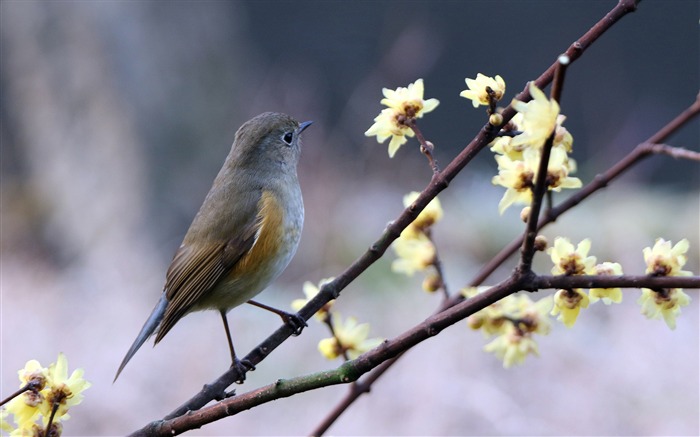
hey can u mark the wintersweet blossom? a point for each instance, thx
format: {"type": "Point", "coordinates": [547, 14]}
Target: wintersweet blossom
{"type": "Point", "coordinates": [568, 304]}
{"type": "Point", "coordinates": [477, 89]}
{"type": "Point", "coordinates": [570, 261]}
{"type": "Point", "coordinates": [512, 347]}
{"type": "Point", "coordinates": [404, 105]}
{"type": "Point", "coordinates": [539, 118]}
{"type": "Point", "coordinates": [415, 252]}
{"type": "Point", "coordinates": [664, 260]}
{"type": "Point", "coordinates": [64, 391]}
{"type": "Point", "coordinates": [430, 215]}
{"type": "Point", "coordinates": [50, 389]}
{"type": "Point", "coordinates": [607, 295]}
{"type": "Point", "coordinates": [513, 320]}
{"type": "Point", "coordinates": [349, 337]}
{"type": "Point", "coordinates": [517, 172]}
{"type": "Point", "coordinates": [665, 304]}
{"type": "Point", "coordinates": [25, 407]}
{"type": "Point", "coordinates": [310, 291]}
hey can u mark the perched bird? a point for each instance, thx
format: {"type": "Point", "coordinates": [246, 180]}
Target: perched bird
{"type": "Point", "coordinates": [243, 236]}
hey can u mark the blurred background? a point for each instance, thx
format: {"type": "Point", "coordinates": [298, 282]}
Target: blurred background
{"type": "Point", "coordinates": [116, 116]}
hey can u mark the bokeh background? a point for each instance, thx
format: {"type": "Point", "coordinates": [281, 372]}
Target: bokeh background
{"type": "Point", "coordinates": [116, 116]}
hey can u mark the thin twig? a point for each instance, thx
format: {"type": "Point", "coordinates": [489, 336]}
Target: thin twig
{"type": "Point", "coordinates": [673, 152]}
{"type": "Point", "coordinates": [527, 252]}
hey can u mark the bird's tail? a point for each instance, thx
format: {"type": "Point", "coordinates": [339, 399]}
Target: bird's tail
{"type": "Point", "coordinates": [148, 329]}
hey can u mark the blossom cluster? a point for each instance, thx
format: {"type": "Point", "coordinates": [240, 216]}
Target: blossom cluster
{"type": "Point", "coordinates": [414, 248]}
{"type": "Point", "coordinates": [513, 321]}
{"type": "Point", "coordinates": [570, 261]}
{"type": "Point", "coordinates": [404, 106]}
{"type": "Point", "coordinates": [48, 395]}
{"type": "Point", "coordinates": [349, 338]}
{"type": "Point", "coordinates": [519, 156]}
{"type": "Point", "coordinates": [661, 260]}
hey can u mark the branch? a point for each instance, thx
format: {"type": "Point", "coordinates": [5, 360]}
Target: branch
{"type": "Point", "coordinates": [382, 356]}
{"type": "Point", "coordinates": [673, 152]}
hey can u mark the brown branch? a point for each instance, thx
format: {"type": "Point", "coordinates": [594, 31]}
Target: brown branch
{"type": "Point", "coordinates": [673, 152]}
{"type": "Point", "coordinates": [426, 147]}
{"type": "Point", "coordinates": [527, 253]}
{"type": "Point", "coordinates": [382, 356]}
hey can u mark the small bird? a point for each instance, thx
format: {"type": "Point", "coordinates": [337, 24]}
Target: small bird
{"type": "Point", "coordinates": [244, 235]}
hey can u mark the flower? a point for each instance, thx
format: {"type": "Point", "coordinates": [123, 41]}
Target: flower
{"type": "Point", "coordinates": [477, 91]}
{"type": "Point", "coordinates": [25, 407]}
{"type": "Point", "coordinates": [431, 214]}
{"type": "Point", "coordinates": [310, 291]}
{"type": "Point", "coordinates": [349, 337]}
{"type": "Point", "coordinates": [608, 295]}
{"type": "Point", "coordinates": [49, 389]}
{"type": "Point", "coordinates": [415, 252]}
{"type": "Point", "coordinates": [518, 177]}
{"type": "Point", "coordinates": [539, 118]}
{"type": "Point", "coordinates": [558, 169]}
{"type": "Point", "coordinates": [513, 320]}
{"type": "Point", "coordinates": [517, 171]}
{"type": "Point", "coordinates": [664, 260]}
{"type": "Point", "coordinates": [404, 106]}
{"type": "Point", "coordinates": [63, 391]}
{"type": "Point", "coordinates": [512, 347]}
{"type": "Point", "coordinates": [568, 304]}
{"type": "Point", "coordinates": [666, 304]}
{"type": "Point", "coordinates": [568, 261]}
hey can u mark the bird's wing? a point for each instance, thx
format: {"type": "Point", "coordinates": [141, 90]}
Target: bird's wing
{"type": "Point", "coordinates": [196, 269]}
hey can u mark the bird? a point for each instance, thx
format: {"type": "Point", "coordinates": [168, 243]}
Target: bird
{"type": "Point", "coordinates": [243, 237]}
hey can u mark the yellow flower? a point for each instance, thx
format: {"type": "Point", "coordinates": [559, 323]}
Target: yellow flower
{"type": "Point", "coordinates": [62, 390]}
{"type": "Point", "coordinates": [404, 106]}
{"type": "Point", "coordinates": [558, 169]}
{"type": "Point", "coordinates": [518, 177]}
{"type": "Point", "coordinates": [516, 310]}
{"type": "Point", "coordinates": [512, 347]}
{"type": "Point", "coordinates": [608, 295]}
{"type": "Point", "coordinates": [310, 291]}
{"type": "Point", "coordinates": [562, 137]}
{"type": "Point", "coordinates": [664, 260]}
{"type": "Point", "coordinates": [50, 387]}
{"type": "Point", "coordinates": [568, 304]}
{"type": "Point", "coordinates": [431, 214]}
{"type": "Point", "coordinates": [26, 407]}
{"type": "Point", "coordinates": [350, 337]}
{"type": "Point", "coordinates": [666, 304]}
{"type": "Point", "coordinates": [568, 261]}
{"type": "Point", "coordinates": [415, 252]}
{"type": "Point", "coordinates": [539, 118]}
{"type": "Point", "coordinates": [477, 89]}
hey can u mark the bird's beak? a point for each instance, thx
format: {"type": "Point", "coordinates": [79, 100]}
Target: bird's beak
{"type": "Point", "coordinates": [304, 125]}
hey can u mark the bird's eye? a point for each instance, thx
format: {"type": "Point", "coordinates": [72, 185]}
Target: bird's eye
{"type": "Point", "coordinates": [287, 138]}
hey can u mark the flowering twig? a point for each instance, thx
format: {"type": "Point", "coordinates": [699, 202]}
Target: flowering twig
{"type": "Point", "coordinates": [351, 370]}
{"type": "Point", "coordinates": [541, 184]}
{"type": "Point", "coordinates": [673, 152]}
{"type": "Point", "coordinates": [600, 181]}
